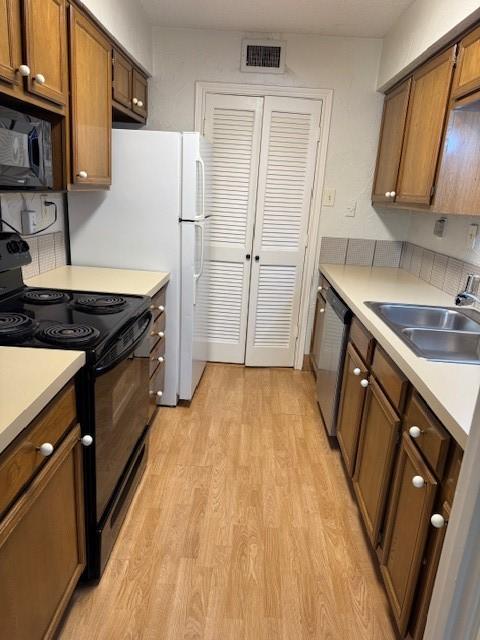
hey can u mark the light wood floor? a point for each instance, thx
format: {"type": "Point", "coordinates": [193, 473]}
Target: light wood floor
{"type": "Point", "coordinates": [243, 527]}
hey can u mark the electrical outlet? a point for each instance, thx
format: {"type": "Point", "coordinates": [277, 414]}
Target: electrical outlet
{"type": "Point", "coordinates": [472, 235]}
{"type": "Point", "coordinates": [328, 197]}
{"type": "Point", "coordinates": [29, 221]}
{"type": "Point", "coordinates": [351, 209]}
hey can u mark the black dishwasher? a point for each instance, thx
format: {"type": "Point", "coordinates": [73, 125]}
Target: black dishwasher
{"type": "Point", "coordinates": [333, 340]}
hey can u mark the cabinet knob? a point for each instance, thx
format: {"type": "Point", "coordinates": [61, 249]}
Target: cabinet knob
{"type": "Point", "coordinates": [135, 100]}
{"type": "Point", "coordinates": [24, 70]}
{"type": "Point", "coordinates": [357, 371]}
{"type": "Point", "coordinates": [321, 311]}
{"type": "Point", "coordinates": [140, 103]}
{"type": "Point", "coordinates": [415, 432]}
{"type": "Point", "coordinates": [319, 289]}
{"type": "Point", "coordinates": [160, 334]}
{"type": "Point", "coordinates": [438, 521]}
{"type": "Point", "coordinates": [82, 174]}
{"type": "Point", "coordinates": [418, 482]}
{"type": "Point", "coordinates": [387, 194]}
{"type": "Point", "coordinates": [158, 307]}
{"type": "Point", "coordinates": [364, 383]}
{"type": "Point", "coordinates": [393, 194]}
{"type": "Point", "coordinates": [86, 440]}
{"type": "Point", "coordinates": [161, 359]}
{"type": "Point", "coordinates": [45, 449]}
{"type": "Point", "coordinates": [39, 78]}
{"type": "Point", "coordinates": [159, 394]}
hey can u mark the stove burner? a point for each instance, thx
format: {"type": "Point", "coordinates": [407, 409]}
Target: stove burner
{"type": "Point", "coordinates": [44, 296]}
{"type": "Point", "coordinates": [15, 325]}
{"type": "Point", "coordinates": [100, 304]}
{"type": "Point", "coordinates": [68, 334]}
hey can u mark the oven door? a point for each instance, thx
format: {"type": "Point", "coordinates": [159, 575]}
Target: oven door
{"type": "Point", "coordinates": [121, 414]}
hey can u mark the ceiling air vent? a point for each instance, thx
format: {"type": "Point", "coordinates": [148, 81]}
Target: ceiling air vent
{"type": "Point", "coordinates": [263, 56]}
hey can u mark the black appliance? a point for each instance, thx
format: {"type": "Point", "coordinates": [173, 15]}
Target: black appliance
{"type": "Point", "coordinates": [112, 389]}
{"type": "Point", "coordinates": [25, 151]}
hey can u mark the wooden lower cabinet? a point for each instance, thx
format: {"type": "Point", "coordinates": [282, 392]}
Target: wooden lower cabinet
{"type": "Point", "coordinates": [375, 458]}
{"type": "Point", "coordinates": [351, 407]}
{"type": "Point", "coordinates": [407, 528]}
{"type": "Point", "coordinates": [42, 547]}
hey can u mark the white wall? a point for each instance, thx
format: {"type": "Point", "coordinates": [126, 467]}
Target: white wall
{"type": "Point", "coordinates": [128, 23]}
{"type": "Point", "coordinates": [349, 66]}
{"type": "Point", "coordinates": [422, 28]}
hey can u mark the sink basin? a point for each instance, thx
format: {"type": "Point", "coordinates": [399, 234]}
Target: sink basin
{"type": "Point", "coordinates": [435, 333]}
{"type": "Point", "coordinates": [428, 317]}
{"type": "Point", "coordinates": [446, 346]}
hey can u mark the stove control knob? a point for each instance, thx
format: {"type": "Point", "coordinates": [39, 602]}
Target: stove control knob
{"type": "Point", "coordinates": [86, 440]}
{"type": "Point", "coordinates": [24, 246]}
{"type": "Point", "coordinates": [45, 449]}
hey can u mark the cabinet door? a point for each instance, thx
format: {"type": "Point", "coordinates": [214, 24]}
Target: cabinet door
{"type": "Point", "coordinates": [10, 40]}
{"type": "Point", "coordinates": [122, 80]}
{"type": "Point", "coordinates": [407, 528]}
{"type": "Point", "coordinates": [467, 72]}
{"type": "Point", "coordinates": [427, 110]}
{"type": "Point", "coordinates": [317, 333]}
{"type": "Point", "coordinates": [45, 44]}
{"type": "Point", "coordinates": [376, 451]}
{"type": "Point", "coordinates": [42, 547]}
{"type": "Point", "coordinates": [351, 406]}
{"type": "Point", "coordinates": [390, 143]}
{"type": "Point", "coordinates": [140, 94]}
{"type": "Point", "coordinates": [91, 86]}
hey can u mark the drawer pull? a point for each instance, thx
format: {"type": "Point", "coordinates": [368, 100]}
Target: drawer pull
{"type": "Point", "coordinates": [415, 431]}
{"type": "Point", "coordinates": [45, 449]}
{"type": "Point", "coordinates": [160, 334]}
{"type": "Point", "coordinates": [438, 521]}
{"type": "Point", "coordinates": [387, 194]}
{"type": "Point", "coordinates": [357, 371]}
{"type": "Point", "coordinates": [418, 482]}
{"type": "Point", "coordinates": [24, 70]}
{"type": "Point", "coordinates": [82, 174]}
{"type": "Point", "coordinates": [364, 383]}
{"type": "Point", "coordinates": [321, 311]}
{"type": "Point", "coordinates": [86, 440]}
{"type": "Point", "coordinates": [140, 104]}
{"type": "Point", "coordinates": [159, 394]}
{"type": "Point", "coordinates": [39, 78]}
{"type": "Point", "coordinates": [158, 307]}
{"type": "Point", "coordinates": [135, 100]}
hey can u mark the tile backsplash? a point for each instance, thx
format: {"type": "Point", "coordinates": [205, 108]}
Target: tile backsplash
{"type": "Point", "coordinates": [359, 251]}
{"type": "Point", "coordinates": [48, 252]}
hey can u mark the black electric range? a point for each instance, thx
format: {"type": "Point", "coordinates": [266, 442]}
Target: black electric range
{"type": "Point", "coordinates": [112, 389]}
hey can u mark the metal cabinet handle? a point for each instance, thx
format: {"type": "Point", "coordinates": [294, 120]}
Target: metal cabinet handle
{"type": "Point", "coordinates": [418, 482]}
{"type": "Point", "coordinates": [45, 449]}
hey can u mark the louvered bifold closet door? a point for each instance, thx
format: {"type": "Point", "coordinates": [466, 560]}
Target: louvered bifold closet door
{"type": "Point", "coordinates": [290, 132]}
{"type": "Point", "coordinates": [233, 126]}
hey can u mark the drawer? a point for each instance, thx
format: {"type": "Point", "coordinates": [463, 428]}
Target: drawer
{"type": "Point", "coordinates": [156, 389]}
{"type": "Point", "coordinates": [21, 460]}
{"type": "Point", "coordinates": [158, 302]}
{"type": "Point", "coordinates": [362, 340]}
{"type": "Point", "coordinates": [157, 331]}
{"type": "Point", "coordinates": [429, 436]}
{"type": "Point", "coordinates": [390, 378]}
{"type": "Point", "coordinates": [157, 355]}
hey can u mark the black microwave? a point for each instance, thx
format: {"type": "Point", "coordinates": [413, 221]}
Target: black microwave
{"type": "Point", "coordinates": [25, 151]}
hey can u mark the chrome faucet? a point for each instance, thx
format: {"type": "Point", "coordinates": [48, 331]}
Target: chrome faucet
{"type": "Point", "coordinates": [470, 294]}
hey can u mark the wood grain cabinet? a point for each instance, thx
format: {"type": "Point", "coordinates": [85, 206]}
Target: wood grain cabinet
{"type": "Point", "coordinates": [122, 80]}
{"type": "Point", "coordinates": [46, 49]}
{"type": "Point", "coordinates": [129, 91]}
{"type": "Point", "coordinates": [467, 72]}
{"type": "Point", "coordinates": [157, 352]}
{"type": "Point", "coordinates": [352, 401]}
{"type": "Point", "coordinates": [42, 534]}
{"type": "Point", "coordinates": [390, 144]}
{"type": "Point", "coordinates": [10, 41]}
{"type": "Point", "coordinates": [140, 94]}
{"type": "Point", "coordinates": [91, 103]}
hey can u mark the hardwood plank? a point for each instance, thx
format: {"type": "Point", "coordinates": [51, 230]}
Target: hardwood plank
{"type": "Point", "coordinates": [243, 527]}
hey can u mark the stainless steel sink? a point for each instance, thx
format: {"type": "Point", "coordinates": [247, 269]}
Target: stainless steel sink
{"type": "Point", "coordinates": [436, 333]}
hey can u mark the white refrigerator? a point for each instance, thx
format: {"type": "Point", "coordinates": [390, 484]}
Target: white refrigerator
{"type": "Point", "coordinates": [154, 218]}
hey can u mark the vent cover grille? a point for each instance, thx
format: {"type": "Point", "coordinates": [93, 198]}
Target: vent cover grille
{"type": "Point", "coordinates": [263, 56]}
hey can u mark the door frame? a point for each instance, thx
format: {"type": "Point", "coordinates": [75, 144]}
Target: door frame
{"type": "Point", "coordinates": [309, 283]}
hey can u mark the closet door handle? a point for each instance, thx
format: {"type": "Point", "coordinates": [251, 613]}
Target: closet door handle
{"type": "Point", "coordinates": [257, 258]}
{"type": "Point", "coordinates": [248, 256]}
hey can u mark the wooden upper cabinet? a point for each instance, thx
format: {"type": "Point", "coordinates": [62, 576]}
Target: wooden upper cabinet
{"type": "Point", "coordinates": [427, 110]}
{"type": "Point", "coordinates": [467, 72]}
{"type": "Point", "coordinates": [390, 144]}
{"type": "Point", "coordinates": [46, 49]}
{"type": "Point", "coordinates": [407, 529]}
{"type": "Point", "coordinates": [375, 457]}
{"type": "Point", "coordinates": [91, 102]}
{"type": "Point", "coordinates": [10, 41]}
{"type": "Point", "coordinates": [122, 80]}
{"type": "Point", "coordinates": [140, 94]}
{"type": "Point", "coordinates": [351, 407]}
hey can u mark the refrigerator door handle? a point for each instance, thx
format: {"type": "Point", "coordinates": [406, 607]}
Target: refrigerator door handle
{"type": "Point", "coordinates": [202, 167]}
{"type": "Point", "coordinates": [196, 276]}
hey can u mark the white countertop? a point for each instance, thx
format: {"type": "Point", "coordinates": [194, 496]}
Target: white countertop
{"type": "Point", "coordinates": [29, 379]}
{"type": "Point", "coordinates": [102, 279]}
{"type": "Point", "coordinates": [449, 389]}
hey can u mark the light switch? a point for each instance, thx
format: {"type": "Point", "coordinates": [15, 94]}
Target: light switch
{"type": "Point", "coordinates": [472, 236]}
{"type": "Point", "coordinates": [351, 209]}
{"type": "Point", "coordinates": [328, 197]}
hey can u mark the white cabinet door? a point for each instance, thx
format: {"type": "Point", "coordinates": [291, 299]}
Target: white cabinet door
{"type": "Point", "coordinates": [233, 126]}
{"type": "Point", "coordinates": [290, 133]}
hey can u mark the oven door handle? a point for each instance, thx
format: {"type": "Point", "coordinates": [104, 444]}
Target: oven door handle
{"type": "Point", "coordinates": [127, 352]}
